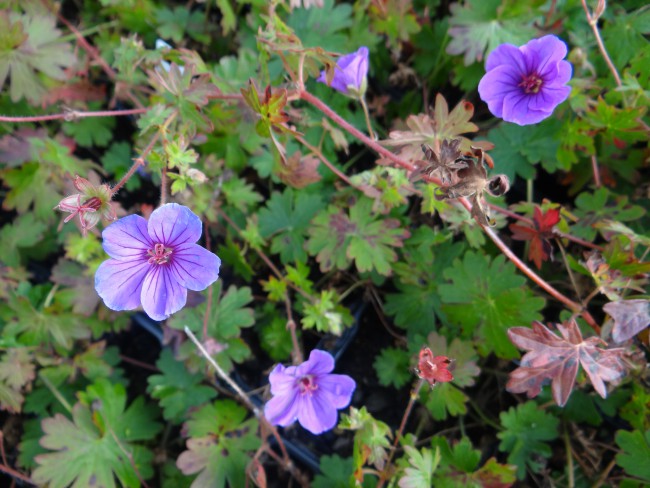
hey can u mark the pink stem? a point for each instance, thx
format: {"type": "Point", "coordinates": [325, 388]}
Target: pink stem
{"type": "Point", "coordinates": [72, 115]}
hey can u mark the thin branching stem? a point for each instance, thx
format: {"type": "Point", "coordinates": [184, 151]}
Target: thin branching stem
{"type": "Point", "coordinates": [593, 23]}
{"type": "Point", "coordinates": [70, 115]}
{"type": "Point", "coordinates": [382, 151]}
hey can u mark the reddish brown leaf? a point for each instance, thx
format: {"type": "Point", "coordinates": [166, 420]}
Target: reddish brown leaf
{"type": "Point", "coordinates": [539, 235]}
{"type": "Point", "coordinates": [630, 318]}
{"type": "Point", "coordinates": [300, 171]}
{"type": "Point", "coordinates": [433, 368]}
{"type": "Point", "coordinates": [555, 358]}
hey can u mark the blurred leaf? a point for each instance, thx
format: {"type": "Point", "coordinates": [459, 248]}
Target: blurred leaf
{"type": "Point", "coordinates": [335, 472]}
{"type": "Point", "coordinates": [526, 430]}
{"type": "Point", "coordinates": [326, 314]}
{"type": "Point", "coordinates": [17, 370]}
{"type": "Point", "coordinates": [220, 445]}
{"type": "Point", "coordinates": [630, 318]}
{"type": "Point", "coordinates": [423, 463]}
{"type": "Point", "coordinates": [29, 45]}
{"type": "Point", "coordinates": [91, 131]}
{"type": "Point", "coordinates": [371, 439]}
{"type": "Point", "coordinates": [24, 232]}
{"type": "Point", "coordinates": [392, 367]}
{"type": "Point", "coordinates": [239, 194]}
{"type": "Point", "coordinates": [624, 35]}
{"type": "Point", "coordinates": [636, 452]}
{"type": "Point", "coordinates": [176, 388]}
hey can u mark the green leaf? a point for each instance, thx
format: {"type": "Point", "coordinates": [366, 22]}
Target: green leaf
{"type": "Point", "coordinates": [444, 399]}
{"type": "Point", "coordinates": [338, 238]}
{"type": "Point", "coordinates": [371, 438]}
{"type": "Point", "coordinates": [636, 452]}
{"type": "Point", "coordinates": [335, 472]}
{"type": "Point", "coordinates": [16, 372]}
{"type": "Point", "coordinates": [602, 205]}
{"type": "Point", "coordinates": [323, 27]}
{"type": "Point", "coordinates": [220, 445]}
{"type": "Point", "coordinates": [392, 367]}
{"type": "Point", "coordinates": [518, 149]}
{"type": "Point", "coordinates": [29, 45]}
{"type": "Point", "coordinates": [276, 339]}
{"type": "Point", "coordinates": [97, 445]}
{"type": "Point", "coordinates": [422, 464]}
{"type": "Point", "coordinates": [23, 233]}
{"type": "Point", "coordinates": [176, 388]}
{"type": "Point", "coordinates": [285, 220]}
{"type": "Point", "coordinates": [526, 430]}
{"type": "Point", "coordinates": [91, 131]}
{"type": "Point", "coordinates": [240, 195]}
{"type": "Point", "coordinates": [624, 35]}
{"type": "Point", "coordinates": [478, 26]}
{"type": "Point", "coordinates": [486, 298]}
{"type": "Point", "coordinates": [117, 160]}
{"type": "Point", "coordinates": [175, 24]}
{"type": "Point", "coordinates": [326, 314]}
{"type": "Point", "coordinates": [30, 189]}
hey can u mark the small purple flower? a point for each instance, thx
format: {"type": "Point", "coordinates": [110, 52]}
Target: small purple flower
{"type": "Point", "coordinates": [308, 393]}
{"type": "Point", "coordinates": [350, 73]}
{"type": "Point", "coordinates": [154, 263]}
{"type": "Point", "coordinates": [524, 84]}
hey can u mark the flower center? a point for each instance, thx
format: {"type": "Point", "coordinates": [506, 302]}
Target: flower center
{"type": "Point", "coordinates": [306, 384]}
{"type": "Point", "coordinates": [159, 254]}
{"type": "Point", "coordinates": [531, 83]}
{"type": "Point", "coordinates": [93, 203]}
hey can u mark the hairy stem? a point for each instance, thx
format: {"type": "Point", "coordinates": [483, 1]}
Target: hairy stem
{"type": "Point", "coordinates": [379, 149]}
{"type": "Point", "coordinates": [137, 162]}
{"type": "Point", "coordinates": [593, 23]}
{"type": "Point", "coordinates": [69, 115]}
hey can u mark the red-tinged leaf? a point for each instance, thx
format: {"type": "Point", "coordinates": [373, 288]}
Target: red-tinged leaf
{"type": "Point", "coordinates": [557, 358]}
{"type": "Point", "coordinates": [81, 91]}
{"type": "Point", "coordinates": [539, 235]}
{"type": "Point", "coordinates": [433, 368]}
{"type": "Point", "coordinates": [300, 171]}
{"type": "Point", "coordinates": [630, 318]}
{"type": "Point", "coordinates": [16, 148]}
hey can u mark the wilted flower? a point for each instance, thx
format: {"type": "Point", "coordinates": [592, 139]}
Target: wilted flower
{"type": "Point", "coordinates": [308, 393]}
{"type": "Point", "coordinates": [91, 204]}
{"type": "Point", "coordinates": [350, 73]}
{"type": "Point", "coordinates": [153, 263]}
{"type": "Point", "coordinates": [433, 369]}
{"type": "Point", "coordinates": [524, 84]}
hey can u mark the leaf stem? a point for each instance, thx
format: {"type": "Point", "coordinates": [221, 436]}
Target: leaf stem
{"type": "Point", "coordinates": [407, 413]}
{"type": "Point", "coordinates": [70, 115]}
{"type": "Point", "coordinates": [326, 162]}
{"type": "Point", "coordinates": [137, 162]}
{"type": "Point", "coordinates": [57, 394]}
{"type": "Point", "coordinates": [573, 306]}
{"type": "Point", "coordinates": [593, 23]}
{"type": "Point", "coordinates": [366, 114]}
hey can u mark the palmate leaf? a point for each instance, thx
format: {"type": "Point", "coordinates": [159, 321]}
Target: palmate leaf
{"type": "Point", "coordinates": [16, 371]}
{"type": "Point", "coordinates": [220, 444]}
{"type": "Point", "coordinates": [371, 439]}
{"type": "Point", "coordinates": [433, 128]}
{"type": "Point", "coordinates": [630, 318]}
{"type": "Point", "coordinates": [551, 357]}
{"type": "Point", "coordinates": [422, 464]}
{"type": "Point", "coordinates": [337, 238]}
{"type": "Point", "coordinates": [285, 221]}
{"type": "Point", "coordinates": [486, 298]}
{"type": "Point", "coordinates": [176, 388]}
{"type": "Point", "coordinates": [478, 26]}
{"type": "Point", "coordinates": [97, 445]}
{"type": "Point", "coordinates": [29, 44]}
{"type": "Point", "coordinates": [635, 453]}
{"type": "Point", "coordinates": [526, 430]}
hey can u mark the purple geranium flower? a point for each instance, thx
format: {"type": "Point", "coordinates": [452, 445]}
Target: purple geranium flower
{"type": "Point", "coordinates": [350, 73]}
{"type": "Point", "coordinates": [154, 263]}
{"type": "Point", "coordinates": [308, 393]}
{"type": "Point", "coordinates": [524, 84]}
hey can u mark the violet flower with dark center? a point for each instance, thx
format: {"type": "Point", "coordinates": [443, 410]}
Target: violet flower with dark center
{"type": "Point", "coordinates": [308, 393]}
{"type": "Point", "coordinates": [153, 263]}
{"type": "Point", "coordinates": [524, 84]}
{"type": "Point", "coordinates": [350, 73]}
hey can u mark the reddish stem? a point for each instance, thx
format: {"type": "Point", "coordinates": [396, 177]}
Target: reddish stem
{"type": "Point", "coordinates": [136, 164]}
{"type": "Point", "coordinates": [69, 115]}
{"type": "Point", "coordinates": [573, 306]}
{"type": "Point", "coordinates": [593, 23]}
{"type": "Point", "coordinates": [326, 162]}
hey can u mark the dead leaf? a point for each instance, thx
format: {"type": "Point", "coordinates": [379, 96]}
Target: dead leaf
{"type": "Point", "coordinates": [630, 318]}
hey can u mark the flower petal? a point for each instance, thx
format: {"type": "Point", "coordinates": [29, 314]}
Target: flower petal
{"type": "Point", "coordinates": [119, 282]}
{"type": "Point", "coordinates": [282, 380]}
{"type": "Point", "coordinates": [282, 409]}
{"type": "Point", "coordinates": [496, 85]}
{"type": "Point", "coordinates": [194, 267]}
{"type": "Point", "coordinates": [127, 238]}
{"type": "Point", "coordinates": [161, 294]}
{"type": "Point", "coordinates": [546, 51]}
{"type": "Point", "coordinates": [319, 362]}
{"type": "Point", "coordinates": [174, 224]}
{"type": "Point", "coordinates": [315, 413]}
{"type": "Point", "coordinates": [338, 388]}
{"type": "Point", "coordinates": [508, 55]}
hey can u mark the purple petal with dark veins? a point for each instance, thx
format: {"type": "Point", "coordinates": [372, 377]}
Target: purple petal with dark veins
{"type": "Point", "coordinates": [161, 294]}
{"type": "Point", "coordinates": [315, 414]}
{"type": "Point", "coordinates": [194, 267]}
{"type": "Point", "coordinates": [119, 282]}
{"type": "Point", "coordinates": [127, 238]}
{"type": "Point", "coordinates": [173, 225]}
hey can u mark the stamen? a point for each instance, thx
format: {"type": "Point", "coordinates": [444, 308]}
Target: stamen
{"type": "Point", "coordinates": [531, 83]}
{"type": "Point", "coordinates": [159, 254]}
